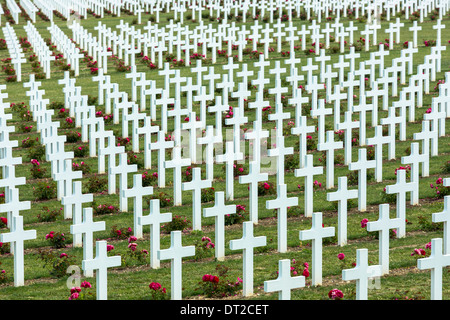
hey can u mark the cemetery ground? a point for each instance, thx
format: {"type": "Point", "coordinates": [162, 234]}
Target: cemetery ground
{"type": "Point", "coordinates": [131, 280]}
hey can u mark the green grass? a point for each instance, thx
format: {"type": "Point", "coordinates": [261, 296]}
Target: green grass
{"type": "Point", "coordinates": [130, 282]}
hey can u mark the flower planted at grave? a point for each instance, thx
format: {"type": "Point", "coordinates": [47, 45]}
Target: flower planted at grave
{"type": "Point", "coordinates": [4, 248]}
{"type": "Point", "coordinates": [311, 143]}
{"type": "Point", "coordinates": [132, 158]}
{"type": "Point", "coordinates": [422, 253]}
{"type": "Point", "coordinates": [219, 286]}
{"type": "Point", "coordinates": [157, 292]}
{"type": "Point", "coordinates": [149, 179]}
{"type": "Point", "coordinates": [80, 151]}
{"type": "Point", "coordinates": [335, 294]}
{"type": "Point", "coordinates": [45, 190]}
{"type": "Point", "coordinates": [177, 223]}
{"type": "Point", "coordinates": [83, 292]}
{"type": "Point", "coordinates": [239, 170]}
{"type": "Point", "coordinates": [3, 222]}
{"type": "Point", "coordinates": [36, 152]}
{"type": "Point", "coordinates": [96, 183]}
{"type": "Point", "coordinates": [441, 190]}
{"type": "Point", "coordinates": [204, 248]}
{"type": "Point", "coordinates": [56, 262]}
{"type": "Point", "coordinates": [82, 166]}
{"type": "Point", "coordinates": [133, 254]}
{"type": "Point", "coordinates": [69, 123]}
{"type": "Point", "coordinates": [265, 188]}
{"type": "Point", "coordinates": [49, 215]}
{"type": "Point", "coordinates": [207, 194]}
{"type": "Point", "coordinates": [28, 142]}
{"type": "Point", "coordinates": [238, 217]}
{"type": "Point", "coordinates": [120, 234]}
{"type": "Point", "coordinates": [164, 199]}
{"type": "Point", "coordinates": [37, 172]}
{"type": "Point", "coordinates": [56, 239]}
{"type": "Point", "coordinates": [102, 209]}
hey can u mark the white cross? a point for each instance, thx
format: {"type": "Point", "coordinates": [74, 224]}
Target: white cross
{"type": "Point", "coordinates": [175, 254]}
{"type": "Point", "coordinates": [101, 263]}
{"type": "Point", "coordinates": [308, 171]}
{"type": "Point", "coordinates": [154, 219]}
{"type": "Point", "coordinates": [122, 169]}
{"type": "Point", "coordinates": [329, 146]}
{"type": "Point", "coordinates": [415, 158]}
{"type": "Point", "coordinates": [436, 261]}
{"type": "Point", "coordinates": [302, 129]}
{"type": "Point", "coordinates": [282, 203]}
{"type": "Point", "coordinates": [176, 163]}
{"type": "Point", "coordinates": [316, 235]}
{"type": "Point", "coordinates": [229, 157]}
{"type": "Point", "coordinates": [383, 225]}
{"type": "Point", "coordinates": [137, 192]}
{"type": "Point", "coordinates": [284, 283]}
{"type": "Point", "coordinates": [87, 227]}
{"type": "Point", "coordinates": [443, 216]}
{"type": "Point", "coordinates": [17, 236]}
{"type": "Point", "coordinates": [247, 243]}
{"type": "Point", "coordinates": [342, 195]}
{"type": "Point", "coordinates": [219, 211]}
{"type": "Point", "coordinates": [362, 272]}
{"type": "Point", "coordinates": [75, 200]}
{"type": "Point", "coordinates": [362, 165]}
{"type": "Point", "coordinates": [253, 178]}
{"type": "Point", "coordinates": [378, 140]}
{"type": "Point", "coordinates": [196, 185]}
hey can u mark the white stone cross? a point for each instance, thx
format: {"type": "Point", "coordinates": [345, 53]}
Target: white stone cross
{"type": "Point", "coordinates": [209, 140]}
{"type": "Point", "coordinates": [285, 282]}
{"type": "Point", "coordinates": [361, 273]}
{"type": "Point", "coordinates": [444, 216]}
{"type": "Point", "coordinates": [161, 145]}
{"type": "Point", "coordinates": [75, 200]}
{"type": "Point", "coordinates": [383, 225]}
{"type": "Point", "coordinates": [176, 163]}
{"type": "Point", "coordinates": [401, 188]}
{"type": "Point", "coordinates": [248, 243]}
{"type": "Point", "coordinates": [196, 185]}
{"type": "Point", "coordinates": [122, 169]}
{"type": "Point", "coordinates": [414, 159]}
{"type": "Point", "coordinates": [316, 235]}
{"type": "Point", "coordinates": [378, 140]}
{"type": "Point", "coordinates": [308, 171]}
{"type": "Point", "coordinates": [17, 236]}
{"type": "Point", "coordinates": [436, 261]}
{"type": "Point", "coordinates": [342, 195]}
{"type": "Point", "coordinates": [137, 192]}
{"type": "Point", "coordinates": [155, 218]}
{"type": "Point", "coordinates": [219, 211]}
{"type": "Point", "coordinates": [362, 165]}
{"type": "Point", "coordinates": [175, 254]}
{"type": "Point", "coordinates": [101, 263]}
{"type": "Point", "coordinates": [302, 129]}
{"type": "Point", "coordinates": [87, 227]}
{"type": "Point", "coordinates": [282, 203]}
{"type": "Point", "coordinates": [253, 178]}
{"type": "Point", "coordinates": [329, 146]}
{"type": "Point", "coordinates": [229, 157]}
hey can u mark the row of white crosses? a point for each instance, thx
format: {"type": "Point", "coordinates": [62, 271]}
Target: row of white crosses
{"type": "Point", "coordinates": [14, 49]}
{"type": "Point", "coordinates": [70, 193]}
{"type": "Point", "coordinates": [14, 10]}
{"type": "Point", "coordinates": [67, 47]}
{"type": "Point", "coordinates": [40, 47]}
{"type": "Point", "coordinates": [45, 7]}
{"type": "Point", "coordinates": [30, 9]}
{"type": "Point", "coordinates": [12, 206]}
